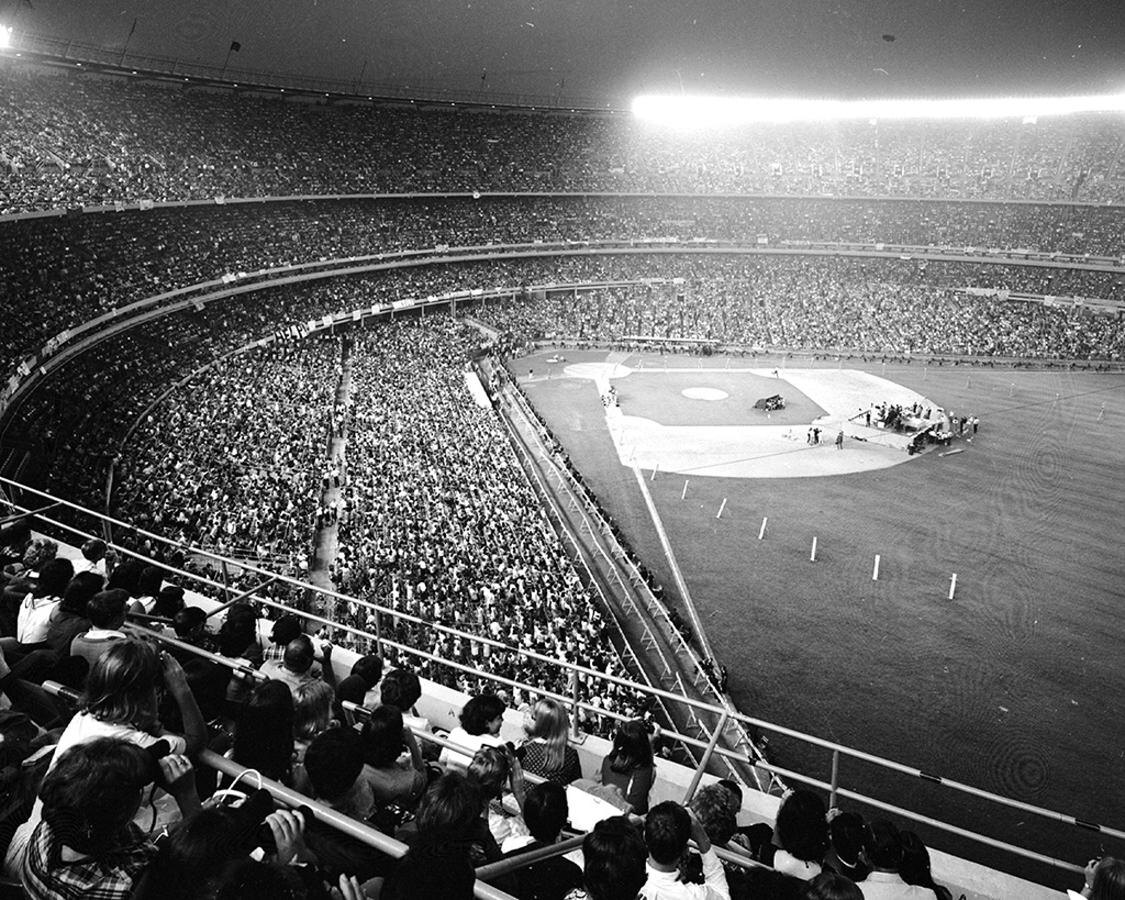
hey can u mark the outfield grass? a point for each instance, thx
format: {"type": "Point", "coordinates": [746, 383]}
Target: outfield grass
{"type": "Point", "coordinates": [1012, 686]}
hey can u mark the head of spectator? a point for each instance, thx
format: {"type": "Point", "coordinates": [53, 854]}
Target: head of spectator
{"type": "Point", "coordinates": [89, 799]}
{"type": "Point", "coordinates": [614, 856]}
{"type": "Point", "coordinates": [449, 808]}
{"type": "Point", "coordinates": [239, 631]}
{"type": "Point", "coordinates": [368, 668]}
{"type": "Point", "coordinates": [667, 830]}
{"type": "Point", "coordinates": [333, 763]}
{"type": "Point", "coordinates": [715, 808]}
{"type": "Point", "coordinates": [400, 688]}
{"type": "Point", "coordinates": [548, 723]}
{"type": "Point", "coordinates": [802, 826]}
{"type": "Point", "coordinates": [287, 628]}
{"type": "Point", "coordinates": [439, 865]}
{"type": "Point", "coordinates": [831, 886]}
{"type": "Point", "coordinates": [94, 550]}
{"type": "Point", "coordinates": [150, 581]}
{"type": "Point", "coordinates": [263, 732]}
{"type": "Point", "coordinates": [845, 833]}
{"type": "Point", "coordinates": [106, 609]}
{"type": "Point", "coordinates": [299, 655]}
{"type": "Point", "coordinates": [190, 623]}
{"type": "Point", "coordinates": [312, 709]}
{"type": "Point", "coordinates": [882, 846]}
{"type": "Point", "coordinates": [54, 576]}
{"type": "Point", "coordinates": [915, 866]}
{"type": "Point", "coordinates": [169, 601]}
{"type": "Point", "coordinates": [383, 737]}
{"type": "Point", "coordinates": [200, 846]}
{"type": "Point", "coordinates": [80, 590]}
{"type": "Point", "coordinates": [483, 715]}
{"type": "Point", "coordinates": [632, 749]}
{"type": "Point", "coordinates": [121, 686]}
{"type": "Point", "coordinates": [1106, 878]}
{"type": "Point", "coordinates": [489, 770]}
{"type": "Point", "coordinates": [126, 575]}
{"type": "Point", "coordinates": [248, 879]}
{"type": "Point", "coordinates": [545, 811]}
{"type": "Point", "coordinates": [39, 552]}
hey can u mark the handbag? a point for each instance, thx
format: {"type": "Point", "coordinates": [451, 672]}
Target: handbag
{"type": "Point", "coordinates": [34, 618]}
{"type": "Point", "coordinates": [232, 797]}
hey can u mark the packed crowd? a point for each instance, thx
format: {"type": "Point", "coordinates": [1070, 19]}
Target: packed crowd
{"type": "Point", "coordinates": [63, 271]}
{"type": "Point", "coordinates": [438, 520]}
{"type": "Point", "coordinates": [70, 141]}
{"type": "Point", "coordinates": [108, 799]}
{"type": "Point", "coordinates": [229, 462]}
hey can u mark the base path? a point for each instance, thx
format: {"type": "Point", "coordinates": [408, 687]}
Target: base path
{"type": "Point", "coordinates": [760, 451]}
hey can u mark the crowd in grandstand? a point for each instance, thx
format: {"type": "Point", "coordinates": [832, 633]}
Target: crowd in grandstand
{"type": "Point", "coordinates": [438, 520]}
{"type": "Point", "coordinates": [70, 139]}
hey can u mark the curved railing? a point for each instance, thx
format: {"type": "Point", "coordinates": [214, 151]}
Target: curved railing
{"type": "Point", "coordinates": [572, 670]}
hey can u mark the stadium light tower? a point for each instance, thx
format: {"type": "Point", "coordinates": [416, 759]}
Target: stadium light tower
{"type": "Point", "coordinates": [5, 37]}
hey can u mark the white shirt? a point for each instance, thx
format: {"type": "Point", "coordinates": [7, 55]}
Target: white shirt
{"type": "Point", "coordinates": [889, 886]}
{"type": "Point", "coordinates": [664, 886]}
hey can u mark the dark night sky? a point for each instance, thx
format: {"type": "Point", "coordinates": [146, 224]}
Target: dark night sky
{"type": "Point", "coordinates": [612, 49]}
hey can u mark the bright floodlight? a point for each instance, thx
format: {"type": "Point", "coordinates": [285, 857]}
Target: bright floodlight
{"type": "Point", "coordinates": [707, 112]}
{"type": "Point", "coordinates": [5, 37]}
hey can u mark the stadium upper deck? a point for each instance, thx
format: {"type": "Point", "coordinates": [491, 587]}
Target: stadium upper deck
{"type": "Point", "coordinates": [79, 139]}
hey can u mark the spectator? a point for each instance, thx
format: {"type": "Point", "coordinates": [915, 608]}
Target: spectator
{"type": "Point", "coordinates": [334, 764]}
{"type": "Point", "coordinates": [295, 667]}
{"type": "Point", "coordinates": [630, 765]}
{"type": "Point", "coordinates": [361, 685]}
{"type": "Point", "coordinates": [94, 553]}
{"type": "Point", "coordinates": [481, 719]}
{"type": "Point", "coordinates": [845, 852]}
{"type": "Point", "coordinates": [1105, 880]}
{"type": "Point", "coordinates": [668, 828]}
{"type": "Point", "coordinates": [69, 620]}
{"type": "Point", "coordinates": [86, 844]}
{"type": "Point", "coordinates": [614, 859]}
{"type": "Point", "coordinates": [882, 848]}
{"type": "Point", "coordinates": [491, 770]}
{"type": "Point", "coordinates": [384, 740]}
{"type": "Point", "coordinates": [546, 751]}
{"type": "Point", "coordinates": [263, 732]}
{"type": "Point", "coordinates": [440, 862]}
{"type": "Point", "coordinates": [545, 812]}
{"type": "Point", "coordinates": [802, 834]}
{"type": "Point", "coordinates": [402, 689]}
{"type": "Point", "coordinates": [35, 610]}
{"type": "Point", "coordinates": [915, 867]}
{"type": "Point", "coordinates": [106, 611]}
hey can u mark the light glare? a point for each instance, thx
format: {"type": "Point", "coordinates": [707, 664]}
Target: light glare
{"type": "Point", "coordinates": [685, 111]}
{"type": "Point", "coordinates": [5, 37]}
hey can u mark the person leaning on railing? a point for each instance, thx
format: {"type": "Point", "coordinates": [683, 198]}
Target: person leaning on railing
{"type": "Point", "coordinates": [1105, 880]}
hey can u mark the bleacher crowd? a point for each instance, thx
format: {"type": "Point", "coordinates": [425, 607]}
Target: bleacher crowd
{"type": "Point", "coordinates": [84, 140]}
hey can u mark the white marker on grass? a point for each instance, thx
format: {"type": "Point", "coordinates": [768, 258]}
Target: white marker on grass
{"type": "Point", "coordinates": [683, 493]}
{"type": "Point", "coordinates": [952, 585]}
{"type": "Point", "coordinates": [762, 530]}
{"type": "Point", "coordinates": [722, 506]}
{"type": "Point", "coordinates": [875, 571]}
{"type": "Point", "coordinates": [812, 556]}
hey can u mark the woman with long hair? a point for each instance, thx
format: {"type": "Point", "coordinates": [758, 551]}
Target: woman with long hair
{"type": "Point", "coordinates": [915, 866]}
{"type": "Point", "coordinates": [263, 732]}
{"type": "Point", "coordinates": [630, 764]}
{"type": "Point", "coordinates": [546, 751]}
{"type": "Point", "coordinates": [831, 886]}
{"type": "Point", "coordinates": [1105, 880]}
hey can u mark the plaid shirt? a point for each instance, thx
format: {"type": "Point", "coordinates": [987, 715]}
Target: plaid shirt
{"type": "Point", "coordinates": [45, 876]}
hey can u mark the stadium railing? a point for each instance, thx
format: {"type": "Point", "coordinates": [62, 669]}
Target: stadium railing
{"type": "Point", "coordinates": [837, 751]}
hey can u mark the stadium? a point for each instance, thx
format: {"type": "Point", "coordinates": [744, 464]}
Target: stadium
{"type": "Point", "coordinates": [781, 439]}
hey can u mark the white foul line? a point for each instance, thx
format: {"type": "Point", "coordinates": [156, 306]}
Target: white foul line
{"type": "Point", "coordinates": [677, 575]}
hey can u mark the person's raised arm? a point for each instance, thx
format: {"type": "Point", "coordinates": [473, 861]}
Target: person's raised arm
{"type": "Point", "coordinates": [195, 728]}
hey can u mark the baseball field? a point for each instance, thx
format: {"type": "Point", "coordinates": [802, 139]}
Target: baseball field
{"type": "Point", "coordinates": [1012, 686]}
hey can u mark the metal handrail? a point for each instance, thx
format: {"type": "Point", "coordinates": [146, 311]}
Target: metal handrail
{"type": "Point", "coordinates": [796, 776]}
